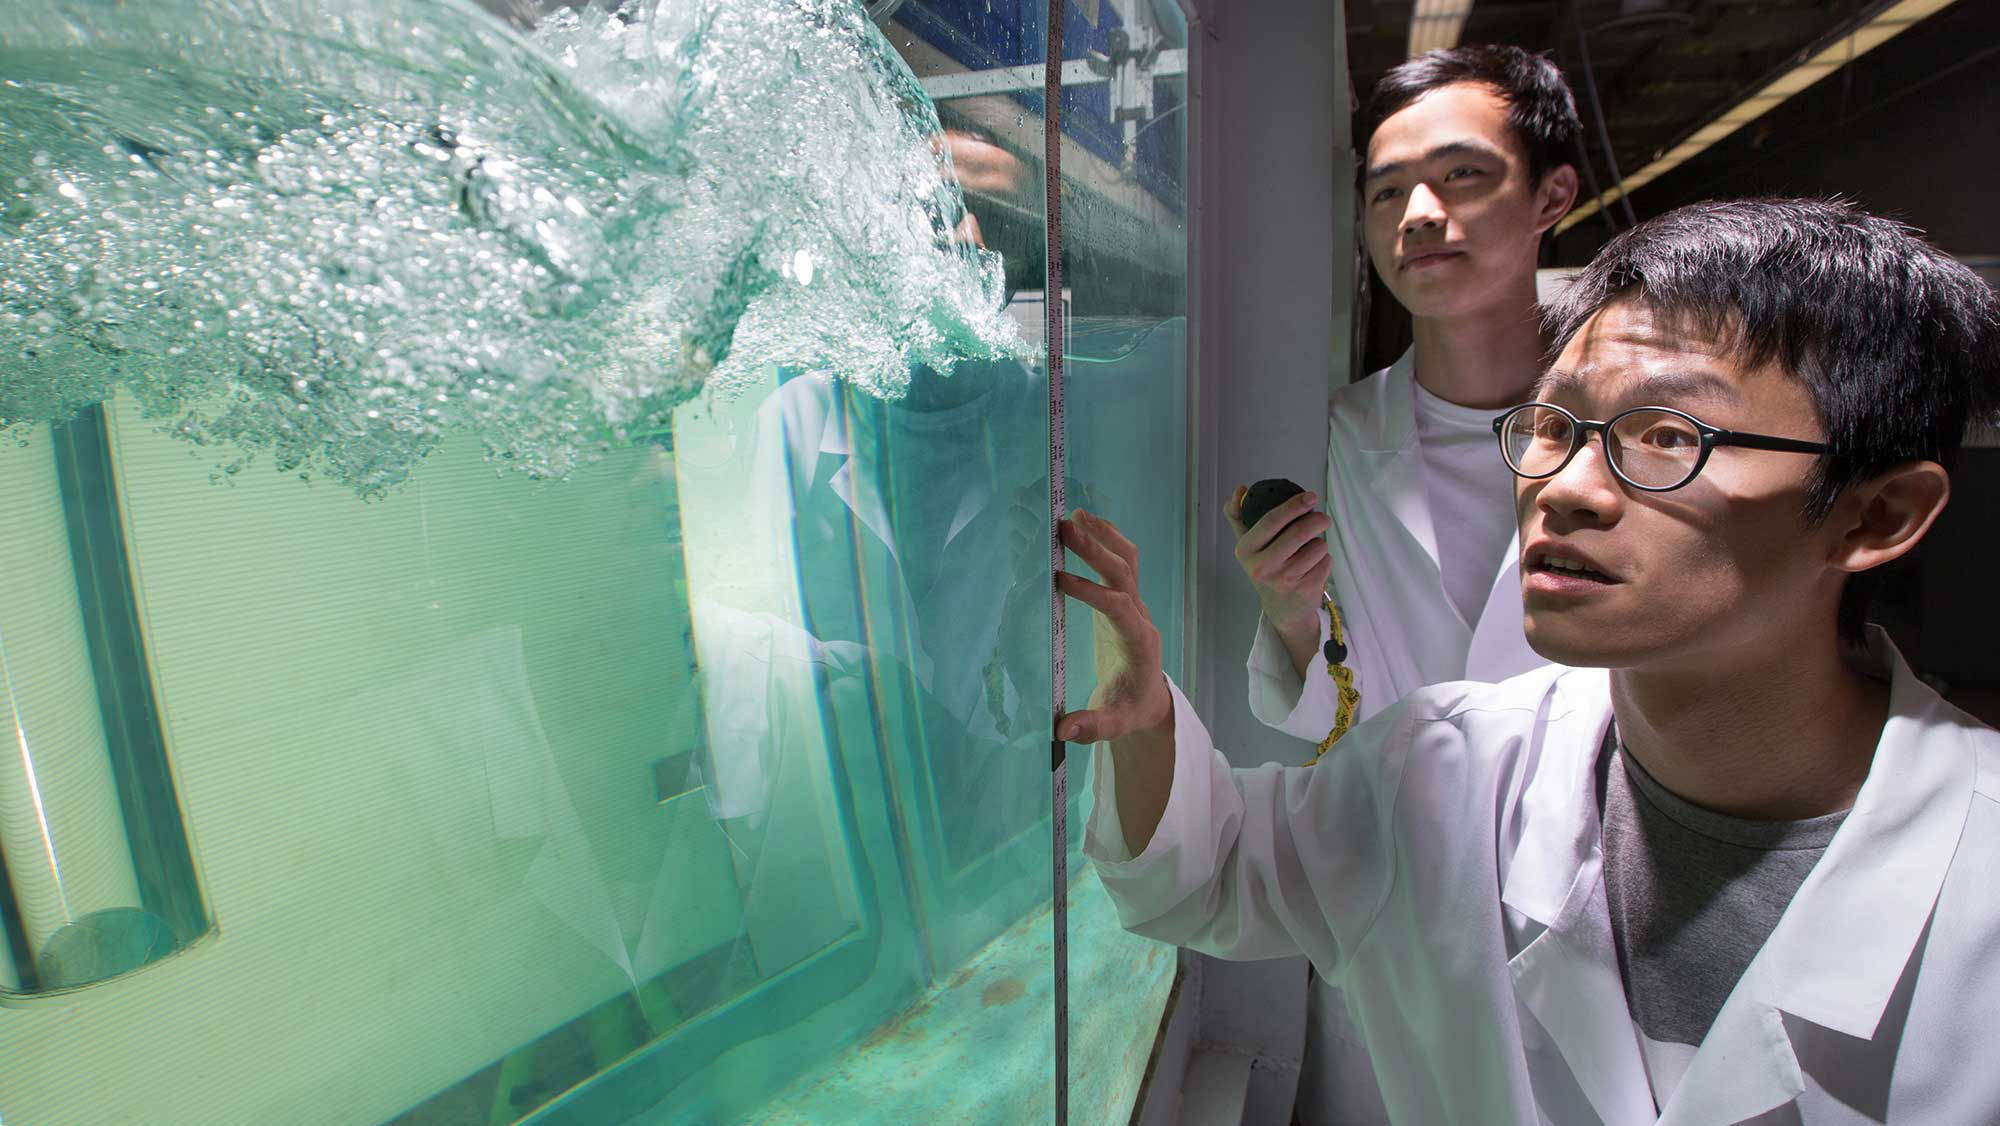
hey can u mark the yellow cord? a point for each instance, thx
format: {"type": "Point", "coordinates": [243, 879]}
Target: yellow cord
{"type": "Point", "coordinates": [1343, 680]}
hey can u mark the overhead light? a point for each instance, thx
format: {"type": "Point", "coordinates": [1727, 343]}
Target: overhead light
{"type": "Point", "coordinates": [1886, 24]}
{"type": "Point", "coordinates": [1437, 23]}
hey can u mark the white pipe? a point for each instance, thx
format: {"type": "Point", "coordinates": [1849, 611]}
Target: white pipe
{"type": "Point", "coordinates": [61, 827]}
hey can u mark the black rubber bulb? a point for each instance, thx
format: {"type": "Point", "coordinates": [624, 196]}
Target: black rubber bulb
{"type": "Point", "coordinates": [1260, 499]}
{"type": "Point", "coordinates": [1264, 496]}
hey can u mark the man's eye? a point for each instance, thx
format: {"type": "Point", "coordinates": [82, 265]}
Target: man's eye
{"type": "Point", "coordinates": [1383, 195]}
{"type": "Point", "coordinates": [1458, 173]}
{"type": "Point", "coordinates": [1671, 438]}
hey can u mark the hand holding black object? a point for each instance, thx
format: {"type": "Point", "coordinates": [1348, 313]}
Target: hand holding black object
{"type": "Point", "coordinates": [1264, 496]}
{"type": "Point", "coordinates": [1258, 500]}
{"type": "Point", "coordinates": [1284, 554]}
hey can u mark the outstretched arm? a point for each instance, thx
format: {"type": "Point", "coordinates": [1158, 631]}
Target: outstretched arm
{"type": "Point", "coordinates": [1237, 863]}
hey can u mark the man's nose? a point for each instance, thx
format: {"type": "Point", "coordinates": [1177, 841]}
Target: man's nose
{"type": "Point", "coordinates": [1585, 490]}
{"type": "Point", "coordinates": [1425, 209]}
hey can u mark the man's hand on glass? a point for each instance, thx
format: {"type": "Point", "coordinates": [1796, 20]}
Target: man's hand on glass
{"type": "Point", "coordinates": [1286, 559]}
{"type": "Point", "coordinates": [1131, 696]}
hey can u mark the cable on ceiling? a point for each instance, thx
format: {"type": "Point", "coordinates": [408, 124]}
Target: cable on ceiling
{"type": "Point", "coordinates": [1597, 113]}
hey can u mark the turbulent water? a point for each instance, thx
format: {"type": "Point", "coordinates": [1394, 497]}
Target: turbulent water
{"type": "Point", "coordinates": [328, 232]}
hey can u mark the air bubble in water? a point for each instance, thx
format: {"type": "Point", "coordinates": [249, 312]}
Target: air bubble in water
{"type": "Point", "coordinates": [342, 249]}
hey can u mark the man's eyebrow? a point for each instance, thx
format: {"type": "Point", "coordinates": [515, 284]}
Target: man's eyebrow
{"type": "Point", "coordinates": [1661, 387]}
{"type": "Point", "coordinates": [1453, 148]}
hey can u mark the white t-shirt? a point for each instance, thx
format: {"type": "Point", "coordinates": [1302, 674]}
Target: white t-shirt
{"type": "Point", "coordinates": [1471, 493]}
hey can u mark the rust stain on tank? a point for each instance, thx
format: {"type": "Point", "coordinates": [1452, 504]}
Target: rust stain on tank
{"type": "Point", "coordinates": [1002, 991]}
{"type": "Point", "coordinates": [902, 1027]}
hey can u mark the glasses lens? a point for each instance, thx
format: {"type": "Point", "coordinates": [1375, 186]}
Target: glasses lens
{"type": "Point", "coordinates": [1657, 449]}
{"type": "Point", "coordinates": [1536, 439]}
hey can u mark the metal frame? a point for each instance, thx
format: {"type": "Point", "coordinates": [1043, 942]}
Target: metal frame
{"type": "Point", "coordinates": [1272, 267]}
{"type": "Point", "coordinates": [1169, 62]}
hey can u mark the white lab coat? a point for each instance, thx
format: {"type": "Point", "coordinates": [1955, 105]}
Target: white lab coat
{"type": "Point", "coordinates": [1402, 630]}
{"type": "Point", "coordinates": [1444, 868]}
{"type": "Point", "coordinates": [1402, 633]}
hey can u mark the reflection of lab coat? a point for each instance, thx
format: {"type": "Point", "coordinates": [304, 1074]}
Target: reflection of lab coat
{"type": "Point", "coordinates": [1444, 869]}
{"type": "Point", "coordinates": [1402, 631]}
{"type": "Point", "coordinates": [857, 572]}
{"type": "Point", "coordinates": [817, 480]}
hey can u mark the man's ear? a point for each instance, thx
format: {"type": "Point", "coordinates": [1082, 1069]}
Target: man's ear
{"type": "Point", "coordinates": [1554, 196]}
{"type": "Point", "coordinates": [1888, 514]}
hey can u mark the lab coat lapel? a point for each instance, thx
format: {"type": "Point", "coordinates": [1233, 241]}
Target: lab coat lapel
{"type": "Point", "coordinates": [860, 496]}
{"type": "Point", "coordinates": [1393, 464]}
{"type": "Point", "coordinates": [1891, 855]}
{"type": "Point", "coordinates": [1568, 974]}
{"type": "Point", "coordinates": [863, 496]}
{"type": "Point", "coordinates": [1745, 1065]}
{"type": "Point", "coordinates": [1499, 641]}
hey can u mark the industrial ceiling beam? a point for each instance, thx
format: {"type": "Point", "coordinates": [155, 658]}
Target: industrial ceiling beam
{"type": "Point", "coordinates": [1437, 23]}
{"type": "Point", "coordinates": [1887, 21]}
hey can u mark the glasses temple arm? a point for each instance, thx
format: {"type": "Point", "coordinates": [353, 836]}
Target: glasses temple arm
{"type": "Point", "coordinates": [1766, 442]}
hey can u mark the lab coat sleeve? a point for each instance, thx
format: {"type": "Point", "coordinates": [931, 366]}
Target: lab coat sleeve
{"type": "Point", "coordinates": [1279, 697]}
{"type": "Point", "coordinates": [1261, 863]}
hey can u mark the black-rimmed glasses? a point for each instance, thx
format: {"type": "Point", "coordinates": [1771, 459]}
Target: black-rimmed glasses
{"type": "Point", "coordinates": [1657, 449]}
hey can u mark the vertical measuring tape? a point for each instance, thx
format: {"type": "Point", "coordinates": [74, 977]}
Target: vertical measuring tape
{"type": "Point", "coordinates": [1052, 60]}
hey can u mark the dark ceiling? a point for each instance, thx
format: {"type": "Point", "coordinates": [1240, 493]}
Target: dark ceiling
{"type": "Point", "coordinates": [1662, 67]}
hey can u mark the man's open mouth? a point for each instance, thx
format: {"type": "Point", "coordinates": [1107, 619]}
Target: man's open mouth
{"type": "Point", "coordinates": [1558, 565]}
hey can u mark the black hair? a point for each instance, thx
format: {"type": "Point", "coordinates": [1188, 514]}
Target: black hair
{"type": "Point", "coordinates": [1540, 109]}
{"type": "Point", "coordinates": [1897, 343]}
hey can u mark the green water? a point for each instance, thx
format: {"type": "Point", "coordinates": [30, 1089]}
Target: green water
{"type": "Point", "coordinates": [697, 771]}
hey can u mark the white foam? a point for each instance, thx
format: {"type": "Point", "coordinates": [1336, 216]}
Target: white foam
{"type": "Point", "coordinates": [327, 233]}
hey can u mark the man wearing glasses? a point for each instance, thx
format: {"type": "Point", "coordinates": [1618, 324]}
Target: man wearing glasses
{"type": "Point", "coordinates": [1729, 860]}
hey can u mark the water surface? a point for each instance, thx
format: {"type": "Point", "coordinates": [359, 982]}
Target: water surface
{"type": "Point", "coordinates": [325, 232]}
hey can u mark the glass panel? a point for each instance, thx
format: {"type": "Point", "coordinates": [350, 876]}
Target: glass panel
{"type": "Point", "coordinates": [1124, 209]}
{"type": "Point", "coordinates": [695, 773]}
{"type": "Point", "coordinates": [967, 456]}
{"type": "Point", "coordinates": [921, 527]}
{"type": "Point", "coordinates": [583, 506]}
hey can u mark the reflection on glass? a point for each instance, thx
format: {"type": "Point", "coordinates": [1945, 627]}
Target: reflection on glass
{"type": "Point", "coordinates": [697, 773]}
{"type": "Point", "coordinates": [1124, 177]}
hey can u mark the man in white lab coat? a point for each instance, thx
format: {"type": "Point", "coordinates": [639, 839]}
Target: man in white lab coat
{"type": "Point", "coordinates": [1729, 860]}
{"type": "Point", "coordinates": [1468, 164]}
